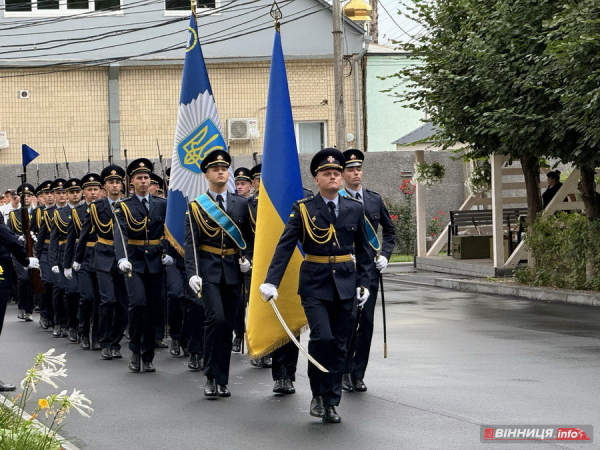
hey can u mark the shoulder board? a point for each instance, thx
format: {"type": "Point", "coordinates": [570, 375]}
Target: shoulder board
{"type": "Point", "coordinates": [305, 199]}
{"type": "Point", "coordinates": [349, 197]}
{"type": "Point", "coordinates": [234, 194]}
{"type": "Point", "coordinates": [373, 192]}
{"type": "Point", "coordinates": [159, 199]}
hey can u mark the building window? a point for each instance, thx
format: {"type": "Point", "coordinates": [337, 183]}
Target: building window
{"type": "Point", "coordinates": [61, 6]}
{"type": "Point", "coordinates": [310, 136]}
{"type": "Point", "coordinates": [184, 5]}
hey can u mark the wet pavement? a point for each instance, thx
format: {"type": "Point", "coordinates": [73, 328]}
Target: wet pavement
{"type": "Point", "coordinates": [456, 361]}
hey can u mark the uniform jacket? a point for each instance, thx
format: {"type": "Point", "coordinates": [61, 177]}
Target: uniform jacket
{"type": "Point", "coordinates": [212, 266]}
{"type": "Point", "coordinates": [9, 243]}
{"type": "Point", "coordinates": [79, 215]}
{"type": "Point", "coordinates": [58, 235]}
{"type": "Point", "coordinates": [377, 214]}
{"type": "Point", "coordinates": [103, 255]}
{"type": "Point", "coordinates": [43, 236]}
{"type": "Point", "coordinates": [141, 257]}
{"type": "Point", "coordinates": [323, 281]}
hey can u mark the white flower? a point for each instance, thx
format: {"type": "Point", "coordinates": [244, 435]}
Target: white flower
{"type": "Point", "coordinates": [77, 401]}
{"type": "Point", "coordinates": [47, 360]}
{"type": "Point", "coordinates": [46, 374]}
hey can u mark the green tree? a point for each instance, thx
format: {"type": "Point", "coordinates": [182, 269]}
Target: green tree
{"type": "Point", "coordinates": [480, 83]}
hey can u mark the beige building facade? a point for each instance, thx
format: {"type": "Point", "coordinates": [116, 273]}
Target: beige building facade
{"type": "Point", "coordinates": [71, 108]}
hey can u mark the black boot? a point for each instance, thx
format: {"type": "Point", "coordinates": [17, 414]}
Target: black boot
{"type": "Point", "coordinates": [331, 416]}
{"type": "Point", "coordinates": [175, 351]}
{"type": "Point", "coordinates": [134, 363]}
{"type": "Point", "coordinates": [194, 362]}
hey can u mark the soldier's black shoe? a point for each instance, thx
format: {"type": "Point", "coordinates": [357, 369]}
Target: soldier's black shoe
{"type": "Point", "coordinates": [316, 407]}
{"type": "Point", "coordinates": [210, 388]}
{"type": "Point", "coordinates": [56, 331]}
{"type": "Point", "coordinates": [194, 362]}
{"type": "Point", "coordinates": [159, 343]}
{"type": "Point", "coordinates": [237, 345]}
{"type": "Point", "coordinates": [347, 383]}
{"type": "Point", "coordinates": [279, 387]}
{"type": "Point", "coordinates": [185, 350]}
{"type": "Point", "coordinates": [116, 354]}
{"type": "Point", "coordinates": [73, 335]}
{"type": "Point", "coordinates": [360, 385]}
{"type": "Point", "coordinates": [222, 391]}
{"type": "Point", "coordinates": [331, 416]}
{"type": "Point", "coordinates": [21, 314]}
{"type": "Point", "coordinates": [175, 351]}
{"type": "Point", "coordinates": [44, 323]}
{"type": "Point", "coordinates": [148, 366]}
{"type": "Point", "coordinates": [28, 317]}
{"type": "Point", "coordinates": [267, 361]}
{"type": "Point", "coordinates": [85, 343]}
{"type": "Point", "coordinates": [96, 345]}
{"type": "Point", "coordinates": [289, 387]}
{"type": "Point", "coordinates": [64, 332]}
{"type": "Point", "coordinates": [6, 387]}
{"type": "Point", "coordinates": [134, 363]}
{"type": "Point", "coordinates": [257, 363]}
{"type": "Point", "coordinates": [106, 353]}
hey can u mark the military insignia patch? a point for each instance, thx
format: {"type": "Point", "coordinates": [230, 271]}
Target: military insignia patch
{"type": "Point", "coordinates": [142, 164]}
{"type": "Point", "coordinates": [330, 159]}
{"type": "Point", "coordinates": [353, 156]}
{"type": "Point", "coordinates": [91, 178]}
{"type": "Point", "coordinates": [113, 172]}
{"type": "Point", "coordinates": [205, 138]}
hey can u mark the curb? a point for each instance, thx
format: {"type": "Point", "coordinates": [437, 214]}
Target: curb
{"type": "Point", "coordinates": [531, 293]}
{"type": "Point", "coordinates": [64, 444]}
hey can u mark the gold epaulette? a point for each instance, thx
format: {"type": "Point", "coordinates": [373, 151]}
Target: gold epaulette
{"type": "Point", "coordinates": [305, 199]}
{"type": "Point", "coordinates": [312, 229]}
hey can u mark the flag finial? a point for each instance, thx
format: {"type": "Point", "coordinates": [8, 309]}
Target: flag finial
{"type": "Point", "coordinates": [276, 14]}
{"type": "Point", "coordinates": [193, 8]}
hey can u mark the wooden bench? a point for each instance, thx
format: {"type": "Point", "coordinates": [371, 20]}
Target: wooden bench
{"type": "Point", "coordinates": [512, 219]}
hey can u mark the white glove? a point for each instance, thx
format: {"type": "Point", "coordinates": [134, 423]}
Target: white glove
{"type": "Point", "coordinates": [381, 263]}
{"type": "Point", "coordinates": [268, 292]}
{"type": "Point", "coordinates": [167, 260]}
{"type": "Point", "coordinates": [244, 265]}
{"type": "Point", "coordinates": [33, 236]}
{"type": "Point", "coordinates": [55, 269]}
{"type": "Point", "coordinates": [353, 258]}
{"type": "Point", "coordinates": [195, 283]}
{"type": "Point", "coordinates": [124, 265]}
{"type": "Point", "coordinates": [21, 239]}
{"type": "Point", "coordinates": [362, 299]}
{"type": "Point", "coordinates": [68, 273]}
{"type": "Point", "coordinates": [34, 263]}
{"type": "Point", "coordinates": [76, 266]}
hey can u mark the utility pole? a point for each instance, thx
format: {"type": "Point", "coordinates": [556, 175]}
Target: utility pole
{"type": "Point", "coordinates": [338, 76]}
{"type": "Point", "coordinates": [374, 25]}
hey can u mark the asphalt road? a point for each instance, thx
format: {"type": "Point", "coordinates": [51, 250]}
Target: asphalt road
{"type": "Point", "coordinates": [455, 362]}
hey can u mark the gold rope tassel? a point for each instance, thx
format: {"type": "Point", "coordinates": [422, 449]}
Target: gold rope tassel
{"type": "Point", "coordinates": [309, 227]}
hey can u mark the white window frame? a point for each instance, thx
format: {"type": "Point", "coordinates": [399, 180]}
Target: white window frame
{"type": "Point", "coordinates": [63, 11]}
{"type": "Point", "coordinates": [199, 11]}
{"type": "Point", "coordinates": [297, 131]}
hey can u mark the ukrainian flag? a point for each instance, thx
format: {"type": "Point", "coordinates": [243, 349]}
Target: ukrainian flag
{"type": "Point", "coordinates": [281, 186]}
{"type": "Point", "coordinates": [198, 133]}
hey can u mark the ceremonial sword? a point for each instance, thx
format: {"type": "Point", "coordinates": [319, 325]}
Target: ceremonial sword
{"type": "Point", "coordinates": [383, 313]}
{"type": "Point", "coordinates": [122, 242]}
{"type": "Point", "coordinates": [187, 203]}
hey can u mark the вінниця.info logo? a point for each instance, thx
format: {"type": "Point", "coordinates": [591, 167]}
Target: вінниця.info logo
{"type": "Point", "coordinates": [536, 433]}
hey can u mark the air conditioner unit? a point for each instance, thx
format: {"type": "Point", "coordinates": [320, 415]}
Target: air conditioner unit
{"type": "Point", "coordinates": [242, 129]}
{"type": "Point", "coordinates": [24, 94]}
{"type": "Point", "coordinates": [3, 139]}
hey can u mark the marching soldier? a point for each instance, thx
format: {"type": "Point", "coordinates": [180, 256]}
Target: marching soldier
{"type": "Point", "coordinates": [139, 230]}
{"type": "Point", "coordinates": [217, 234]}
{"type": "Point", "coordinates": [59, 195]}
{"type": "Point", "coordinates": [377, 214]}
{"type": "Point", "coordinates": [24, 288]}
{"type": "Point", "coordinates": [255, 175]}
{"type": "Point", "coordinates": [42, 218]}
{"type": "Point", "coordinates": [243, 185]}
{"type": "Point", "coordinates": [98, 227]}
{"type": "Point", "coordinates": [10, 244]}
{"type": "Point", "coordinates": [330, 228]}
{"type": "Point", "coordinates": [85, 276]}
{"type": "Point", "coordinates": [65, 290]}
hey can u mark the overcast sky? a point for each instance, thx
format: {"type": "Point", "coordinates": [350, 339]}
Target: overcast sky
{"type": "Point", "coordinates": [394, 26]}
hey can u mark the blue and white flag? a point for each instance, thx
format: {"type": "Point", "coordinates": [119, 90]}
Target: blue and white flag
{"type": "Point", "coordinates": [198, 133]}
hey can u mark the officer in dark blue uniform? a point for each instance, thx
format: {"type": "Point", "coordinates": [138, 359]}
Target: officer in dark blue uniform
{"type": "Point", "coordinates": [58, 195]}
{"type": "Point", "coordinates": [89, 296]}
{"type": "Point", "coordinates": [330, 228]}
{"type": "Point", "coordinates": [42, 220]}
{"type": "Point", "coordinates": [140, 255]}
{"type": "Point", "coordinates": [66, 291]}
{"type": "Point", "coordinates": [217, 254]}
{"type": "Point", "coordinates": [24, 289]}
{"type": "Point", "coordinates": [10, 244]}
{"type": "Point", "coordinates": [98, 229]}
{"type": "Point", "coordinates": [377, 215]}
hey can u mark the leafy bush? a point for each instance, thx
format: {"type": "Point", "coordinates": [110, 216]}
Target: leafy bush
{"type": "Point", "coordinates": [566, 252]}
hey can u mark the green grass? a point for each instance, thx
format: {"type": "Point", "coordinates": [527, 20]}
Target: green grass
{"type": "Point", "coordinates": [401, 258]}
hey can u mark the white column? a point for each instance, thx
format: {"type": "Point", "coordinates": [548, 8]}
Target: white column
{"type": "Point", "coordinates": [420, 210]}
{"type": "Point", "coordinates": [497, 232]}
